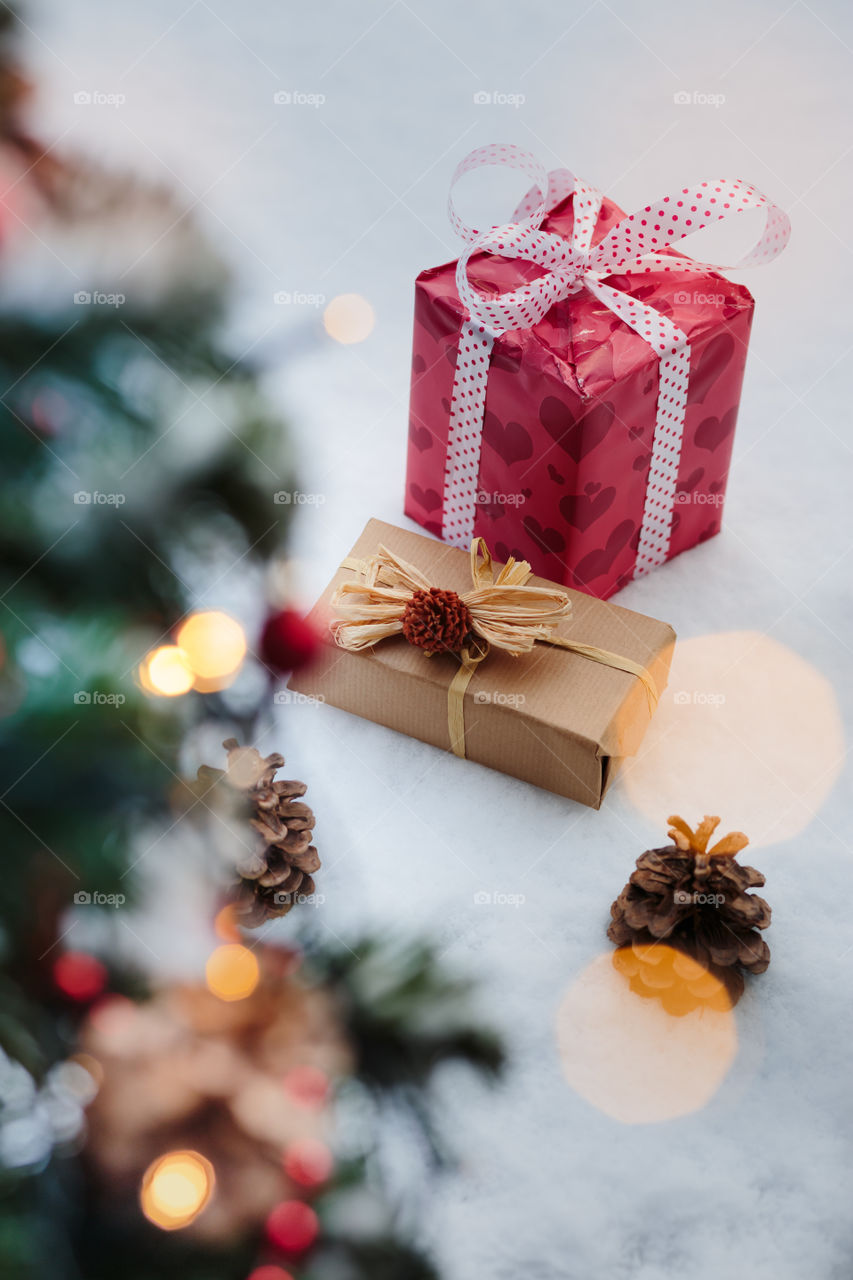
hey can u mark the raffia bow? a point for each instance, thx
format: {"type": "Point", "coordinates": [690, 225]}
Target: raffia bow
{"type": "Point", "coordinates": [504, 611]}
{"type": "Point", "coordinates": [501, 611]}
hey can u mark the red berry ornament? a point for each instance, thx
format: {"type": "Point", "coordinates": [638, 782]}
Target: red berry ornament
{"type": "Point", "coordinates": [288, 641]}
{"type": "Point", "coordinates": [292, 1226]}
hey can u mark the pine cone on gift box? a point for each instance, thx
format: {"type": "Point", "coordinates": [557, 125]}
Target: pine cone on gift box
{"type": "Point", "coordinates": [436, 621]}
{"type": "Point", "coordinates": [694, 899]}
{"type": "Point", "coordinates": [278, 870]}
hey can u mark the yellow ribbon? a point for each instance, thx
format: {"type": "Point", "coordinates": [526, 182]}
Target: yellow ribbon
{"type": "Point", "coordinates": [505, 612]}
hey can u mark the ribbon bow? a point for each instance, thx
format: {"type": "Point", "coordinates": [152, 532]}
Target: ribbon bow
{"type": "Point", "coordinates": [391, 597]}
{"type": "Point", "coordinates": [639, 242]}
{"type": "Point", "coordinates": [502, 611]}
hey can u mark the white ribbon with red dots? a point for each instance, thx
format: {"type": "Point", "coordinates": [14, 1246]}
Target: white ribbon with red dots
{"type": "Point", "coordinates": [634, 245]}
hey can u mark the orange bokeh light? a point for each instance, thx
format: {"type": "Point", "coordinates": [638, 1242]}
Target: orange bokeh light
{"type": "Point", "coordinates": [214, 646]}
{"type": "Point", "coordinates": [166, 672]}
{"type": "Point", "coordinates": [232, 972]}
{"type": "Point", "coordinates": [176, 1188]}
{"type": "Point", "coordinates": [225, 924]}
{"type": "Point", "coordinates": [746, 728]}
{"type": "Point", "coordinates": [349, 318]}
{"type": "Point", "coordinates": [632, 1058]}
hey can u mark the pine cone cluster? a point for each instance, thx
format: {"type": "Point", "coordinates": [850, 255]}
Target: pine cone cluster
{"type": "Point", "coordinates": [276, 872]}
{"type": "Point", "coordinates": [437, 621]}
{"type": "Point", "coordinates": [694, 899]}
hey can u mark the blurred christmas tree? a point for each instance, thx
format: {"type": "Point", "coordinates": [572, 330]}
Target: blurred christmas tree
{"type": "Point", "coordinates": [139, 532]}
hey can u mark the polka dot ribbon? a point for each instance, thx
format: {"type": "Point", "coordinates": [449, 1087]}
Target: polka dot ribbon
{"type": "Point", "coordinates": [637, 244]}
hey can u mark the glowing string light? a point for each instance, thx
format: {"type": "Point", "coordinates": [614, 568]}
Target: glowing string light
{"type": "Point", "coordinates": [176, 1188]}
{"type": "Point", "coordinates": [232, 972]}
{"type": "Point", "coordinates": [214, 646]}
{"type": "Point", "coordinates": [166, 672]}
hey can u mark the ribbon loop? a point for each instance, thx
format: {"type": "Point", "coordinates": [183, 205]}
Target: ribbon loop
{"type": "Point", "coordinates": [640, 239]}
{"type": "Point", "coordinates": [506, 156]}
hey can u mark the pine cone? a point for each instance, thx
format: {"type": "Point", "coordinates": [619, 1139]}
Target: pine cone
{"type": "Point", "coordinates": [278, 872]}
{"type": "Point", "coordinates": [436, 621]}
{"type": "Point", "coordinates": [694, 899]}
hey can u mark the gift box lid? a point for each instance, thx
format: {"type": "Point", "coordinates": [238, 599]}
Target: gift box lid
{"type": "Point", "coordinates": [596, 707]}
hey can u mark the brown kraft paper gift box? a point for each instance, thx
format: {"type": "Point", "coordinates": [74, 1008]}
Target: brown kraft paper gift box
{"type": "Point", "coordinates": [550, 717]}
